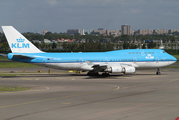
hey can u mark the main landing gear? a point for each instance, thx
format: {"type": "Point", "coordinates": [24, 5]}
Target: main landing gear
{"type": "Point", "coordinates": [105, 74]}
{"type": "Point", "coordinates": [91, 73]}
{"type": "Point", "coordinates": [158, 71]}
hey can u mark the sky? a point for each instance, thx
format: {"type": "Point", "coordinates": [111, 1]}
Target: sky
{"type": "Point", "coordinates": [60, 15]}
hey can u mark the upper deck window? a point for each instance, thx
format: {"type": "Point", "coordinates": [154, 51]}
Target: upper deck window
{"type": "Point", "coordinates": [149, 52]}
{"type": "Point", "coordinates": [134, 53]}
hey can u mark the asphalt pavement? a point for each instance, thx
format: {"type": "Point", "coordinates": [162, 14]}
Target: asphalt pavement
{"type": "Point", "coordinates": [70, 96]}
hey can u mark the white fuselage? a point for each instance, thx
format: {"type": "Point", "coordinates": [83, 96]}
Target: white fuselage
{"type": "Point", "coordinates": [79, 66]}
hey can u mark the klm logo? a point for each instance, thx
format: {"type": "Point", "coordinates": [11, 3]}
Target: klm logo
{"type": "Point", "coordinates": [149, 56]}
{"type": "Point", "coordinates": [20, 40]}
{"type": "Point", "coordinates": [20, 44]}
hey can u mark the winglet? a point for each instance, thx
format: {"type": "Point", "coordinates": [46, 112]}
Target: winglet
{"type": "Point", "coordinates": [17, 42]}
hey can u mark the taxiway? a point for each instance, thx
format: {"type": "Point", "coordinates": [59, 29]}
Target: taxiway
{"type": "Point", "coordinates": [143, 96]}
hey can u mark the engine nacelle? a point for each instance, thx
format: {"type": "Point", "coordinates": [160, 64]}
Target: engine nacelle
{"type": "Point", "coordinates": [121, 69]}
{"type": "Point", "coordinates": [115, 69]}
{"type": "Point", "coordinates": [129, 69]}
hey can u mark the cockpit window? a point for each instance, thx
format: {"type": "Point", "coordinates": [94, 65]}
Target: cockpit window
{"type": "Point", "coordinates": [164, 51]}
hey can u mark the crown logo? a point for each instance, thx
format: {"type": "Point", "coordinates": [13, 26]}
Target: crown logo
{"type": "Point", "coordinates": [20, 40]}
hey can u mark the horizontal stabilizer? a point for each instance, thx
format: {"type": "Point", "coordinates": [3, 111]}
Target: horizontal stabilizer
{"type": "Point", "coordinates": [22, 57]}
{"type": "Point", "coordinates": [5, 55]}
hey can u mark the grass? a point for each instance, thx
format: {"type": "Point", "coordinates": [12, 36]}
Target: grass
{"type": "Point", "coordinates": [16, 65]}
{"type": "Point", "coordinates": [176, 56]}
{"type": "Point", "coordinates": [12, 74]}
{"type": "Point", "coordinates": [1, 74]}
{"type": "Point", "coordinates": [3, 58]}
{"type": "Point", "coordinates": [172, 67]}
{"type": "Point", "coordinates": [11, 88]}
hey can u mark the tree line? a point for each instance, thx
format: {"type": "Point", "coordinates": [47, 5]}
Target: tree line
{"type": "Point", "coordinates": [92, 43]}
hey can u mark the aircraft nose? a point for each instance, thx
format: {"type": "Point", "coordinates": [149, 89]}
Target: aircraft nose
{"type": "Point", "coordinates": [174, 59]}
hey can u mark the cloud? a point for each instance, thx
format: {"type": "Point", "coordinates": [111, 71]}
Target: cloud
{"type": "Point", "coordinates": [58, 15]}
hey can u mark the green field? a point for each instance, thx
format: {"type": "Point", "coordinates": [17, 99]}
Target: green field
{"type": "Point", "coordinates": [3, 58]}
{"type": "Point", "coordinates": [10, 88]}
{"type": "Point", "coordinates": [15, 65]}
{"type": "Point", "coordinates": [176, 56]}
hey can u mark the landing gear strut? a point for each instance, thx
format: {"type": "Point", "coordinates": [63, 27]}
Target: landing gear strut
{"type": "Point", "coordinates": [105, 74]}
{"type": "Point", "coordinates": [158, 71]}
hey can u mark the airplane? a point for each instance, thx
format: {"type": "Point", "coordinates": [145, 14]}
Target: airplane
{"type": "Point", "coordinates": [117, 61]}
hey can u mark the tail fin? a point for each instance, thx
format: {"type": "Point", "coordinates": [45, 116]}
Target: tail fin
{"type": "Point", "coordinates": [17, 42]}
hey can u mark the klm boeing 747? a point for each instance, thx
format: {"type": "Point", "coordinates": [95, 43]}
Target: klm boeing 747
{"type": "Point", "coordinates": [118, 61]}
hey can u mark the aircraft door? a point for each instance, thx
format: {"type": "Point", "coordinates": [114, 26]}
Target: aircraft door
{"type": "Point", "coordinates": [106, 60]}
{"type": "Point", "coordinates": [135, 59]}
{"type": "Point", "coordinates": [81, 60]}
{"type": "Point", "coordinates": [157, 59]}
{"type": "Point", "coordinates": [44, 61]}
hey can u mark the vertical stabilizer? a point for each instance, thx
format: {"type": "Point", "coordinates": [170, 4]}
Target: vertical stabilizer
{"type": "Point", "coordinates": [17, 42]}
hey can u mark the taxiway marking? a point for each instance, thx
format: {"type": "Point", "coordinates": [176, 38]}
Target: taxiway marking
{"type": "Point", "coordinates": [160, 104]}
{"type": "Point", "coordinates": [26, 103]}
{"type": "Point", "coordinates": [117, 88]}
{"type": "Point", "coordinates": [172, 80]}
{"type": "Point", "coordinates": [30, 79]}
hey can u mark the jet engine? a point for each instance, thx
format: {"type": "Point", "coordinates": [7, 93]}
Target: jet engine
{"type": "Point", "coordinates": [129, 70]}
{"type": "Point", "coordinates": [121, 69]}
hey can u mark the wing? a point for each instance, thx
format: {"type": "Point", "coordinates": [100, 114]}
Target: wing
{"type": "Point", "coordinates": [18, 56]}
{"type": "Point", "coordinates": [106, 67]}
{"type": "Point", "coordinates": [99, 67]}
{"type": "Point", "coordinates": [96, 67]}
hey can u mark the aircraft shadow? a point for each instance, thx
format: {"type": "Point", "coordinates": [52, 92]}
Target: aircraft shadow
{"type": "Point", "coordinates": [78, 75]}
